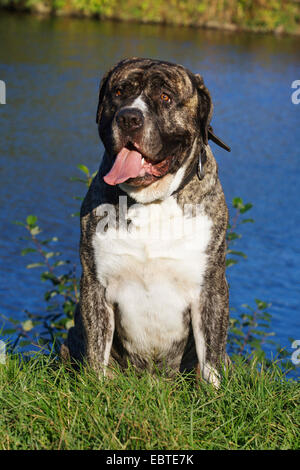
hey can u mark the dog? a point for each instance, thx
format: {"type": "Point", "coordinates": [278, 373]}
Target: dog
{"type": "Point", "coordinates": [153, 291]}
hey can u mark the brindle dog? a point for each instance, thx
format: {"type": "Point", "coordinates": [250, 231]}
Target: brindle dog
{"type": "Point", "coordinates": [154, 301]}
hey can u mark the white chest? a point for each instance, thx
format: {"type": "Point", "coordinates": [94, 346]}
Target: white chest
{"type": "Point", "coordinates": [153, 270]}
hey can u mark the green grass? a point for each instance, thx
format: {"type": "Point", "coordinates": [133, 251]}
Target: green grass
{"type": "Point", "coordinates": [46, 406]}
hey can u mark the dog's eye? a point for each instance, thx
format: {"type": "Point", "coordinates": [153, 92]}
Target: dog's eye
{"type": "Point", "coordinates": [165, 97]}
{"type": "Point", "coordinates": [118, 92]}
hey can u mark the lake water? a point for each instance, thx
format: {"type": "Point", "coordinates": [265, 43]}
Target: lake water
{"type": "Point", "coordinates": [52, 69]}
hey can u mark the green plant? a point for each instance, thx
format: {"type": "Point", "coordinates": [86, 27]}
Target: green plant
{"type": "Point", "coordinates": [49, 328]}
{"type": "Point", "coordinates": [61, 297]}
{"type": "Point", "coordinates": [232, 235]}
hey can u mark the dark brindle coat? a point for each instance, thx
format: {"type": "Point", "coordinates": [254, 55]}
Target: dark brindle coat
{"type": "Point", "coordinates": [168, 308]}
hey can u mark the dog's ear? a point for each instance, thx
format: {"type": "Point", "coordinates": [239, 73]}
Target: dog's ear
{"type": "Point", "coordinates": [102, 90]}
{"type": "Point", "coordinates": [205, 107]}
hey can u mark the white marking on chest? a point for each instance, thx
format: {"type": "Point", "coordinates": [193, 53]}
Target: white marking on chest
{"type": "Point", "coordinates": [154, 271]}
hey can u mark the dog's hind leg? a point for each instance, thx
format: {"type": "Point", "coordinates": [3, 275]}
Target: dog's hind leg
{"type": "Point", "coordinates": [91, 337]}
{"type": "Point", "coordinates": [98, 324]}
{"type": "Point", "coordinates": [73, 347]}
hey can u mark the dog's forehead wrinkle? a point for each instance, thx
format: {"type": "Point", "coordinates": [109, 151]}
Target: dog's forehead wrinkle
{"type": "Point", "coordinates": [123, 75]}
{"type": "Point", "coordinates": [152, 72]}
{"type": "Point", "coordinates": [169, 74]}
{"type": "Point", "coordinates": [148, 73]}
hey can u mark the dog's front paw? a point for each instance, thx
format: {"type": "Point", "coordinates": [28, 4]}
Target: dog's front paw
{"type": "Point", "coordinates": [209, 374]}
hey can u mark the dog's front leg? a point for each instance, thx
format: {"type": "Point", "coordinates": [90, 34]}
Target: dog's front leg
{"type": "Point", "coordinates": [98, 324]}
{"type": "Point", "coordinates": [209, 317]}
{"type": "Point", "coordinates": [197, 310]}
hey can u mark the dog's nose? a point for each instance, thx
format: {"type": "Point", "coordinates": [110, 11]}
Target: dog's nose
{"type": "Point", "coordinates": [130, 119]}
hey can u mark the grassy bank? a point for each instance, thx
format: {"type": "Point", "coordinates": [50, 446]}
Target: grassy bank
{"type": "Point", "coordinates": [253, 15]}
{"type": "Point", "coordinates": [45, 406]}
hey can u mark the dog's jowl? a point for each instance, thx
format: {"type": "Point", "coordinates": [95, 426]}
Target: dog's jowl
{"type": "Point", "coordinates": [153, 291]}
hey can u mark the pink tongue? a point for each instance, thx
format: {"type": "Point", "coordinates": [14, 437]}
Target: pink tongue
{"type": "Point", "coordinates": [127, 165]}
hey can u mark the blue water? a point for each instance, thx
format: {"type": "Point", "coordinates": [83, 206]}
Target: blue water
{"type": "Point", "coordinates": [52, 69]}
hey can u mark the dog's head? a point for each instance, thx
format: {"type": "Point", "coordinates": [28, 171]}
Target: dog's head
{"type": "Point", "coordinates": [149, 114]}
